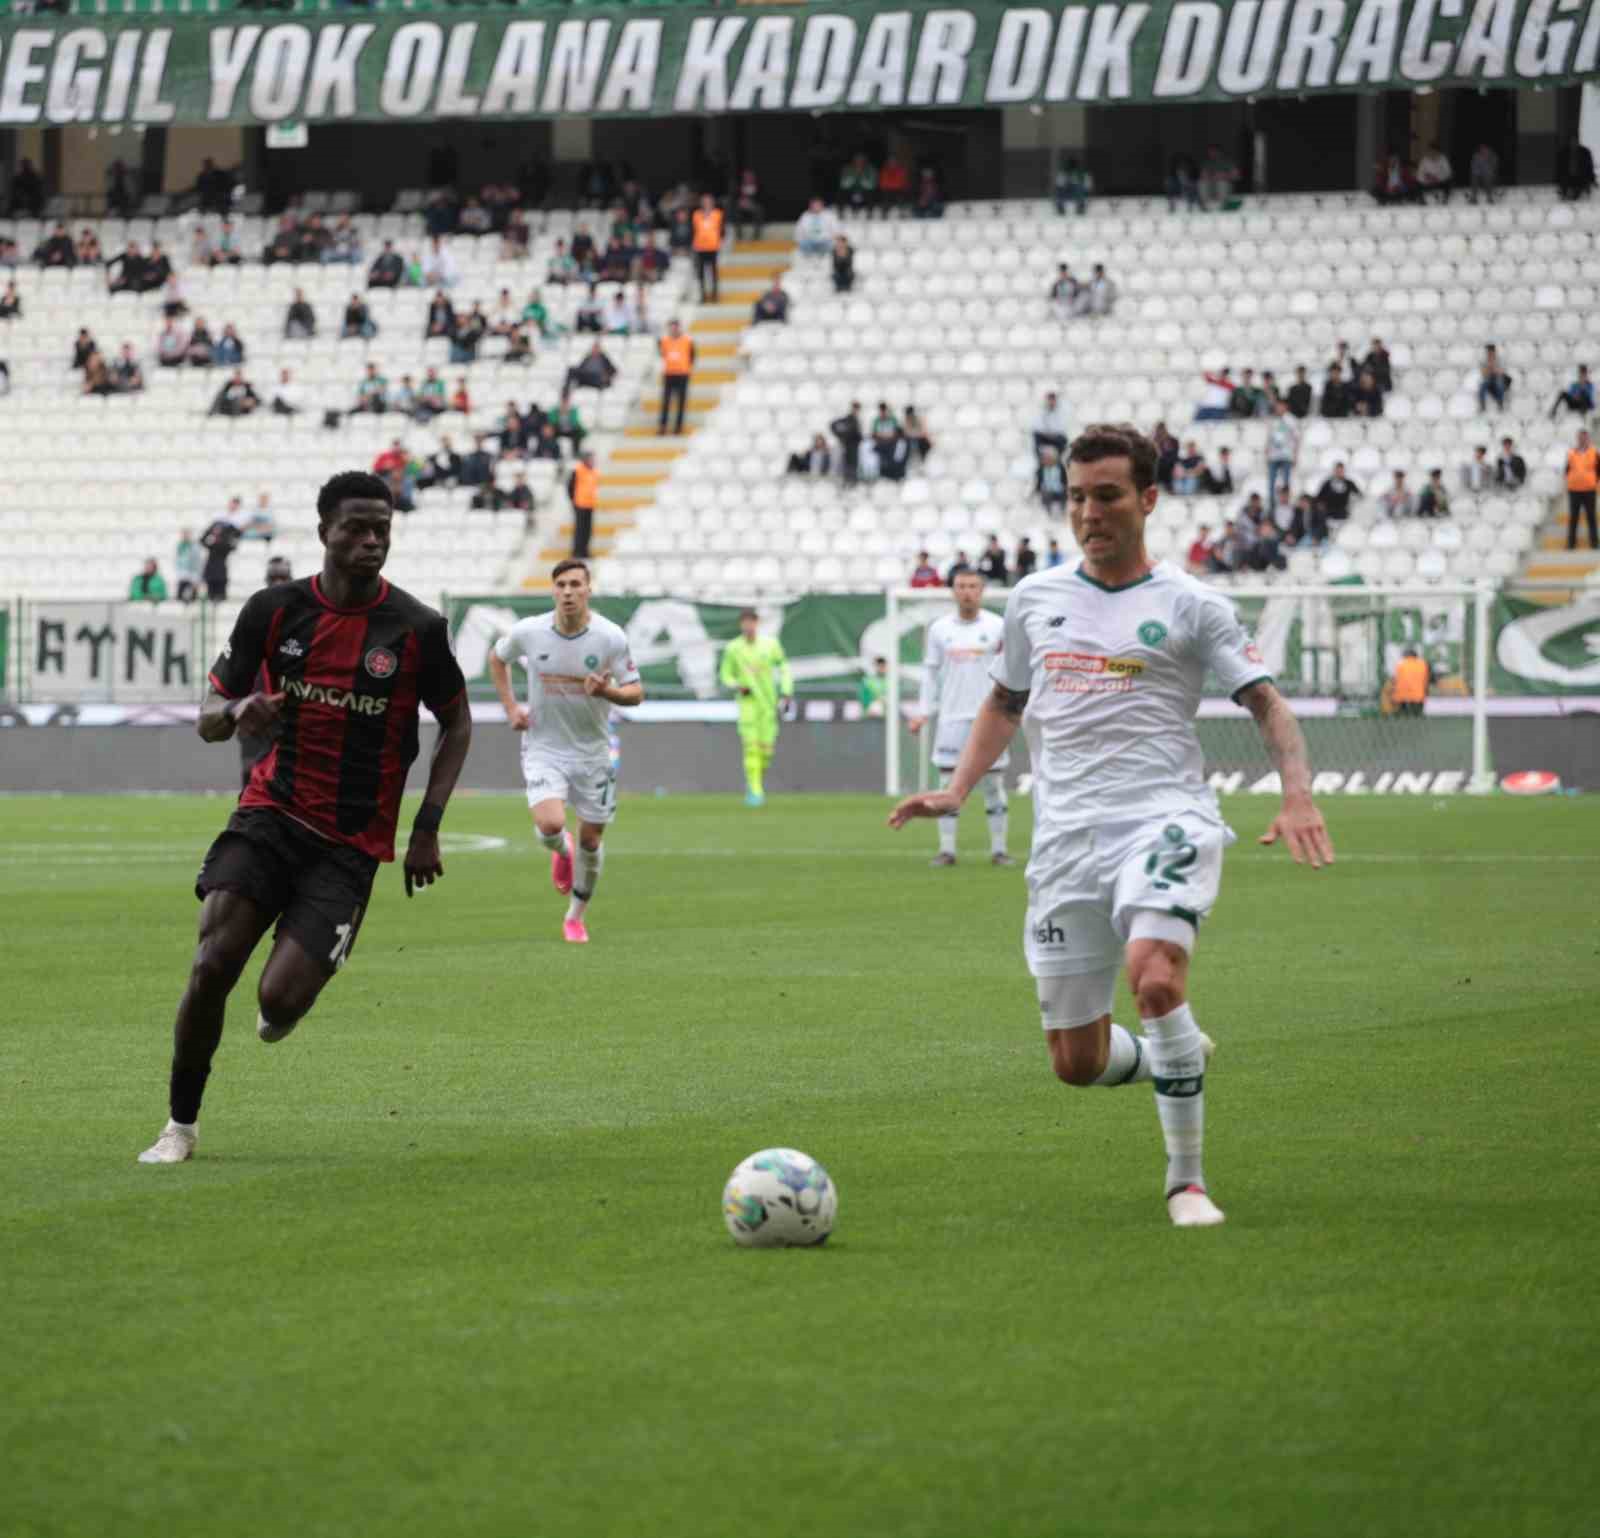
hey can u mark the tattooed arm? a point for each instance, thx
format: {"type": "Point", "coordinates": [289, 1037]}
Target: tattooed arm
{"type": "Point", "coordinates": [1298, 823]}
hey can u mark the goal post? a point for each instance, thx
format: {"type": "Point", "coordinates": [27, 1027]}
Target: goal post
{"type": "Point", "coordinates": [1332, 651]}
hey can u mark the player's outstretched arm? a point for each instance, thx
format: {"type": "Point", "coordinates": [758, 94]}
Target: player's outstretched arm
{"type": "Point", "coordinates": [1298, 823]}
{"type": "Point", "coordinates": [998, 719]}
{"type": "Point", "coordinates": [423, 866]}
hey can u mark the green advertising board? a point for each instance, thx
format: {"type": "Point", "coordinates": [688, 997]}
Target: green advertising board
{"type": "Point", "coordinates": [853, 55]}
{"type": "Point", "coordinates": [1544, 648]}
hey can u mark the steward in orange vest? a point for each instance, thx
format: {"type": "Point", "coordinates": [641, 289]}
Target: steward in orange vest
{"type": "Point", "coordinates": [707, 243]}
{"type": "Point", "coordinates": [677, 363]}
{"type": "Point", "coordinates": [1411, 678]}
{"type": "Point", "coordinates": [1583, 474]}
{"type": "Point", "coordinates": [583, 488]}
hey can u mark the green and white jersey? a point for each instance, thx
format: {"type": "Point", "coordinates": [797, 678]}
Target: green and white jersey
{"type": "Point", "coordinates": [565, 724]}
{"type": "Point", "coordinates": [956, 659]}
{"type": "Point", "coordinates": [1115, 677]}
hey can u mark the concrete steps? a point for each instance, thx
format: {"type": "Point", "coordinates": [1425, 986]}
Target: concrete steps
{"type": "Point", "coordinates": [631, 473]}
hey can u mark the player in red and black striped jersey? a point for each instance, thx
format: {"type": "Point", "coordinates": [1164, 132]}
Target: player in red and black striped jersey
{"type": "Point", "coordinates": [346, 660]}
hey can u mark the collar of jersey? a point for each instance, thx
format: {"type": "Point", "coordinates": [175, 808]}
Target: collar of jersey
{"type": "Point", "coordinates": [1121, 588]}
{"type": "Point", "coordinates": [328, 603]}
{"type": "Point", "coordinates": [557, 630]}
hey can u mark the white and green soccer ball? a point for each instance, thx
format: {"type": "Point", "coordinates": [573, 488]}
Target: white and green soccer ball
{"type": "Point", "coordinates": [779, 1197]}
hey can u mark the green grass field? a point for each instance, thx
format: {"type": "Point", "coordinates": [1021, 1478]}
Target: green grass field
{"type": "Point", "coordinates": [451, 1259]}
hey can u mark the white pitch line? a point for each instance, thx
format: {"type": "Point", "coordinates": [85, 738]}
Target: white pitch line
{"type": "Point", "coordinates": [483, 843]}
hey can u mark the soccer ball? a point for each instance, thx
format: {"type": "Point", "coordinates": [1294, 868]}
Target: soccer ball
{"type": "Point", "coordinates": [779, 1197]}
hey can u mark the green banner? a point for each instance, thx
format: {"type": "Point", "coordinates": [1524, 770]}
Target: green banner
{"type": "Point", "coordinates": [677, 643]}
{"type": "Point", "coordinates": [644, 61]}
{"type": "Point", "coordinates": [1544, 648]}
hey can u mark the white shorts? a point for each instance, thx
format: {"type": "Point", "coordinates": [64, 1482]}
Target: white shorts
{"type": "Point", "coordinates": [1086, 889]}
{"type": "Point", "coordinates": [950, 737]}
{"type": "Point", "coordinates": [589, 788]}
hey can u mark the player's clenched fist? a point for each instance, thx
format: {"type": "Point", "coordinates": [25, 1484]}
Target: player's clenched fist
{"type": "Point", "coordinates": [931, 803]}
{"type": "Point", "coordinates": [518, 717]}
{"type": "Point", "coordinates": [256, 714]}
{"type": "Point", "coordinates": [596, 684]}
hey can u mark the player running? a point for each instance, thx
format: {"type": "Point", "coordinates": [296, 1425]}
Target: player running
{"type": "Point", "coordinates": [347, 660]}
{"type": "Point", "coordinates": [955, 678]}
{"type": "Point", "coordinates": [578, 668]}
{"type": "Point", "coordinates": [1105, 663]}
{"type": "Point", "coordinates": [755, 668]}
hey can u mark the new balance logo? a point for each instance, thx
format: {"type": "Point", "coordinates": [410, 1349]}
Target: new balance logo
{"type": "Point", "coordinates": [1058, 621]}
{"type": "Point", "coordinates": [1049, 933]}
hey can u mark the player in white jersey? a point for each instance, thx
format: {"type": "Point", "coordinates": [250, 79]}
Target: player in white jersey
{"type": "Point", "coordinates": [578, 668]}
{"type": "Point", "coordinates": [1103, 664]}
{"type": "Point", "coordinates": [956, 657]}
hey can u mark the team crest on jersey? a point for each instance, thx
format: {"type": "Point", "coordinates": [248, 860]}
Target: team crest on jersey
{"type": "Point", "coordinates": [291, 648]}
{"type": "Point", "coordinates": [380, 662]}
{"type": "Point", "coordinates": [1152, 632]}
{"type": "Point", "coordinates": [591, 661]}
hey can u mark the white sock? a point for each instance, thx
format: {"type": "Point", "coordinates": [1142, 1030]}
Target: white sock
{"type": "Point", "coordinates": [1127, 1062]}
{"type": "Point", "coordinates": [1177, 1065]}
{"type": "Point", "coordinates": [552, 841]}
{"type": "Point", "coordinates": [586, 865]}
{"type": "Point", "coordinates": [947, 834]}
{"type": "Point", "coordinates": [994, 806]}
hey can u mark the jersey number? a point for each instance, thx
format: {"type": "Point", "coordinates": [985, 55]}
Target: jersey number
{"type": "Point", "coordinates": [347, 937]}
{"type": "Point", "coordinates": [1172, 863]}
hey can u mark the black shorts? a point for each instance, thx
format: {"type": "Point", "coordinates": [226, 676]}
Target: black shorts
{"type": "Point", "coordinates": [317, 890]}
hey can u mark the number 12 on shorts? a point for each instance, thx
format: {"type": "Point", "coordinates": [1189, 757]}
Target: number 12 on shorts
{"type": "Point", "coordinates": [1171, 858]}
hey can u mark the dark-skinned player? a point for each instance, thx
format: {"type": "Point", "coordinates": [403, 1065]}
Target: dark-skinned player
{"type": "Point", "coordinates": [347, 661]}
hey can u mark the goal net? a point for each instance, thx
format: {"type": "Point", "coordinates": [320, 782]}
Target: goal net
{"type": "Point", "coordinates": [1331, 650]}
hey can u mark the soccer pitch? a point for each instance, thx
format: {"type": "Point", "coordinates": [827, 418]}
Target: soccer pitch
{"type": "Point", "coordinates": [450, 1260]}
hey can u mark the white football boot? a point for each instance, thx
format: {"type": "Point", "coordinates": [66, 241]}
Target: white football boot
{"type": "Point", "coordinates": [1190, 1207]}
{"type": "Point", "coordinates": [175, 1144]}
{"type": "Point", "coordinates": [269, 1032]}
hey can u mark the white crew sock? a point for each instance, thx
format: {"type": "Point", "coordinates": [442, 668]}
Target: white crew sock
{"type": "Point", "coordinates": [947, 825]}
{"type": "Point", "coordinates": [1177, 1065]}
{"type": "Point", "coordinates": [554, 842]}
{"type": "Point", "coordinates": [994, 806]}
{"type": "Point", "coordinates": [1127, 1062]}
{"type": "Point", "coordinates": [586, 865]}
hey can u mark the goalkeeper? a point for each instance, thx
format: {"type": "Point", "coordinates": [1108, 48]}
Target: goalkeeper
{"type": "Point", "coordinates": [754, 668]}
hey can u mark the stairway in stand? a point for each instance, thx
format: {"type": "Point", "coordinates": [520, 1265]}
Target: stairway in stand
{"type": "Point", "coordinates": [631, 473]}
{"type": "Point", "coordinates": [1551, 561]}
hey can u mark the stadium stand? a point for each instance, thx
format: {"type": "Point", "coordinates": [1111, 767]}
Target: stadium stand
{"type": "Point", "coordinates": [98, 483]}
{"type": "Point", "coordinates": [951, 315]}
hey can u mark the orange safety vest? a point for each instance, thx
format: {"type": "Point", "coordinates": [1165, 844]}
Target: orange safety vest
{"type": "Point", "coordinates": [1583, 469]}
{"type": "Point", "coordinates": [1410, 681]}
{"type": "Point", "coordinates": [585, 483]}
{"type": "Point", "coordinates": [677, 354]}
{"type": "Point", "coordinates": [708, 229]}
